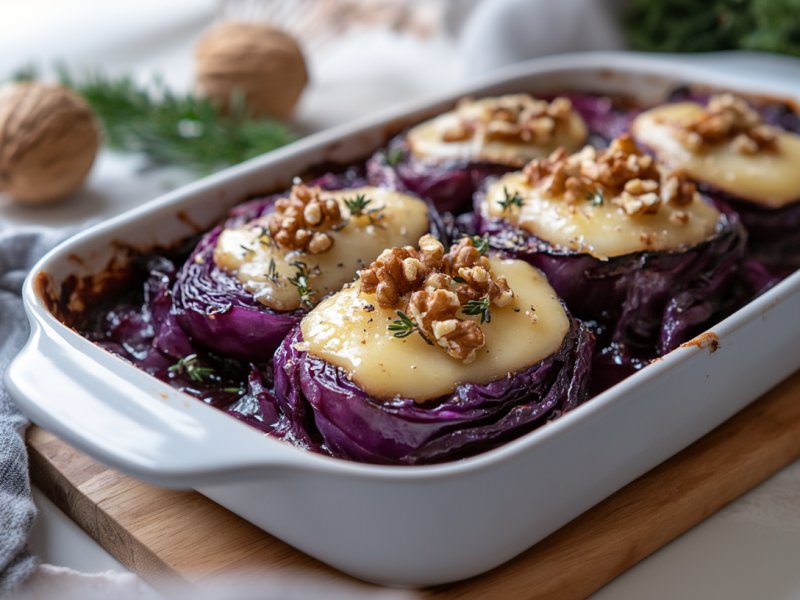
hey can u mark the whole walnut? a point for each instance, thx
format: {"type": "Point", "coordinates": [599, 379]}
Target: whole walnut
{"type": "Point", "coordinates": [263, 62]}
{"type": "Point", "coordinates": [48, 141]}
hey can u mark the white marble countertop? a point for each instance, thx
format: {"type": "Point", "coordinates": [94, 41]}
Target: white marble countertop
{"type": "Point", "coordinates": [748, 550]}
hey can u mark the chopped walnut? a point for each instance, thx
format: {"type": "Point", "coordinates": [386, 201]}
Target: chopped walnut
{"type": "Point", "coordinates": [434, 286]}
{"type": "Point", "coordinates": [389, 276]}
{"type": "Point", "coordinates": [515, 118]}
{"type": "Point", "coordinates": [729, 119]}
{"type": "Point", "coordinates": [290, 226]}
{"type": "Point", "coordinates": [434, 313]}
{"type": "Point", "coordinates": [463, 341]}
{"type": "Point", "coordinates": [632, 179]}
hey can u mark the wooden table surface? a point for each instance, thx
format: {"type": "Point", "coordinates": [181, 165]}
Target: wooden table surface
{"type": "Point", "coordinates": [182, 538]}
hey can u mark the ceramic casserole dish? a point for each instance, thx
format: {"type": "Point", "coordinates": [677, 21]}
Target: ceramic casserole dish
{"type": "Point", "coordinates": [403, 526]}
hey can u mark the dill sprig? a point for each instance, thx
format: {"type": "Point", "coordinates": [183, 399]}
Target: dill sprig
{"type": "Point", "coordinates": [190, 365]}
{"type": "Point", "coordinates": [300, 281]}
{"type": "Point", "coordinates": [478, 307]}
{"type": "Point", "coordinates": [169, 128]}
{"type": "Point", "coordinates": [511, 200]}
{"type": "Point", "coordinates": [404, 326]}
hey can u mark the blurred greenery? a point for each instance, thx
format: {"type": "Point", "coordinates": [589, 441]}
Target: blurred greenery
{"type": "Point", "coordinates": [173, 129]}
{"type": "Point", "coordinates": [709, 25]}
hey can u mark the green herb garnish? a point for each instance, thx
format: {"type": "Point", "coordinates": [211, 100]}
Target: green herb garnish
{"type": "Point", "coordinates": [511, 200]}
{"type": "Point", "coordinates": [358, 208]}
{"type": "Point", "coordinates": [481, 243]}
{"type": "Point", "coordinates": [190, 366]}
{"type": "Point", "coordinates": [170, 128]}
{"type": "Point", "coordinates": [595, 196]}
{"type": "Point", "coordinates": [478, 307]}
{"type": "Point", "coordinates": [459, 279]}
{"type": "Point", "coordinates": [393, 157]}
{"type": "Point", "coordinates": [404, 326]}
{"type": "Point", "coordinates": [300, 281]}
{"type": "Point", "coordinates": [272, 272]}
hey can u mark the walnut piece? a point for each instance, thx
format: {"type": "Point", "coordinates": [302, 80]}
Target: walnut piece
{"type": "Point", "coordinates": [290, 226]}
{"type": "Point", "coordinates": [517, 118]}
{"type": "Point", "coordinates": [434, 313]}
{"type": "Point", "coordinates": [433, 286]}
{"type": "Point", "coordinates": [632, 179]}
{"type": "Point", "coordinates": [390, 277]}
{"type": "Point", "coordinates": [727, 118]}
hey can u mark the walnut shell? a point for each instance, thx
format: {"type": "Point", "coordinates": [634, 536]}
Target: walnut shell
{"type": "Point", "coordinates": [48, 141]}
{"type": "Point", "coordinates": [264, 62]}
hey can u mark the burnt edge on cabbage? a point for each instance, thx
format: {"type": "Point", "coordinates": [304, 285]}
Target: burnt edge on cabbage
{"type": "Point", "coordinates": [644, 304]}
{"type": "Point", "coordinates": [341, 419]}
{"type": "Point", "coordinates": [214, 308]}
{"type": "Point", "coordinates": [450, 184]}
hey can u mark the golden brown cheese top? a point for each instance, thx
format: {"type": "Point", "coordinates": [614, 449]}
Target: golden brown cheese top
{"type": "Point", "coordinates": [510, 130]}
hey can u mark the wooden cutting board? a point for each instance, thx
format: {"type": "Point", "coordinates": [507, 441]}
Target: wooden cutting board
{"type": "Point", "coordinates": [181, 538]}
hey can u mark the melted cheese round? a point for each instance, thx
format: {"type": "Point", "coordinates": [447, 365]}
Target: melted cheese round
{"type": "Point", "coordinates": [342, 332]}
{"type": "Point", "coordinates": [768, 178]}
{"type": "Point", "coordinates": [246, 254]}
{"type": "Point", "coordinates": [426, 142]}
{"type": "Point", "coordinates": [603, 231]}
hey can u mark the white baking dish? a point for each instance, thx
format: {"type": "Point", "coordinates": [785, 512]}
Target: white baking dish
{"type": "Point", "coordinates": [408, 526]}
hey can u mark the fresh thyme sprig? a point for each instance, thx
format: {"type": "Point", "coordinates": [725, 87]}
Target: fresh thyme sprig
{"type": "Point", "coordinates": [358, 208]}
{"type": "Point", "coordinates": [393, 157]}
{"type": "Point", "coordinates": [478, 307]}
{"type": "Point", "coordinates": [265, 233]}
{"type": "Point", "coordinates": [190, 365]}
{"type": "Point", "coordinates": [404, 326]}
{"type": "Point", "coordinates": [170, 128]}
{"type": "Point", "coordinates": [596, 197]}
{"type": "Point", "coordinates": [300, 281]}
{"type": "Point", "coordinates": [511, 200]}
{"type": "Point", "coordinates": [481, 243]}
{"type": "Point", "coordinates": [272, 272]}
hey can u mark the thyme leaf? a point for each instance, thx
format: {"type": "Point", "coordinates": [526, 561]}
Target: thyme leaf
{"type": "Point", "coordinates": [596, 197]}
{"type": "Point", "coordinates": [511, 200]}
{"type": "Point", "coordinates": [481, 243]}
{"type": "Point", "coordinates": [300, 281]}
{"type": "Point", "coordinates": [478, 307]}
{"type": "Point", "coordinates": [404, 326]}
{"type": "Point", "coordinates": [190, 366]}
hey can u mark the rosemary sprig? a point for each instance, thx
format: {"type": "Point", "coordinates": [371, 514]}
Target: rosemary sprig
{"type": "Point", "coordinates": [300, 281]}
{"type": "Point", "coordinates": [404, 326]}
{"type": "Point", "coordinates": [481, 243]}
{"type": "Point", "coordinates": [511, 200]}
{"type": "Point", "coordinates": [478, 307]}
{"type": "Point", "coordinates": [190, 365]}
{"type": "Point", "coordinates": [170, 128]}
{"type": "Point", "coordinates": [596, 197]}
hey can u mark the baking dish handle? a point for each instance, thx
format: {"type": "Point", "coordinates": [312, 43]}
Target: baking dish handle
{"type": "Point", "coordinates": [130, 421]}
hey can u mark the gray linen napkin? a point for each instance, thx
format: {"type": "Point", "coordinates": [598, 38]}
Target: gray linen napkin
{"type": "Point", "coordinates": [19, 250]}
